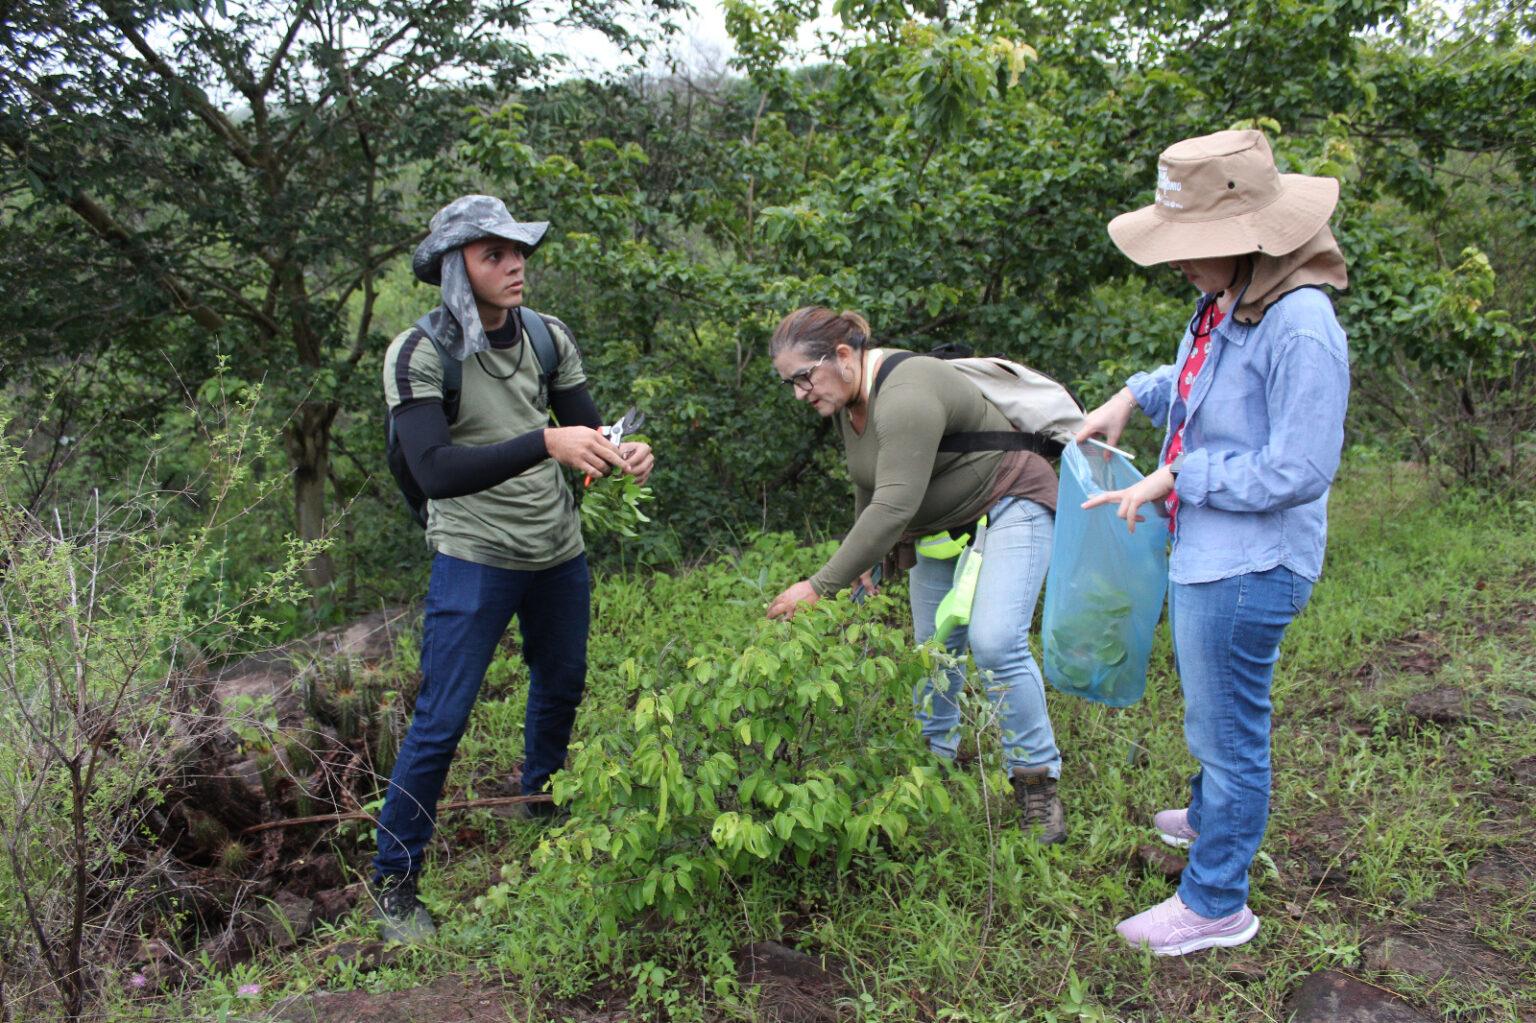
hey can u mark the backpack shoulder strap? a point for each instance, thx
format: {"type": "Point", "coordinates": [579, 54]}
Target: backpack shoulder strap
{"type": "Point", "coordinates": [984, 440]}
{"type": "Point", "coordinates": [543, 344]}
{"type": "Point", "coordinates": [453, 369]}
{"type": "Point", "coordinates": [889, 363]}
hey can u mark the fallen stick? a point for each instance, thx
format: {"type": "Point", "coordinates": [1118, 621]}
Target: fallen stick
{"type": "Point", "coordinates": [363, 815]}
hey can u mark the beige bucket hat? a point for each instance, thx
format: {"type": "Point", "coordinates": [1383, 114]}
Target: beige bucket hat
{"type": "Point", "coordinates": [1220, 195]}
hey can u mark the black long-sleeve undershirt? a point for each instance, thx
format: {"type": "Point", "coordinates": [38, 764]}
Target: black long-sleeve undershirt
{"type": "Point", "coordinates": [445, 469]}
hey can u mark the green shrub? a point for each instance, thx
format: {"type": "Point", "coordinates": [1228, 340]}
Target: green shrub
{"type": "Point", "coordinates": [766, 743]}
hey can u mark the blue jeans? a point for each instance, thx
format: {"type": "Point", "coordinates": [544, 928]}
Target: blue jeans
{"type": "Point", "coordinates": [1015, 557]}
{"type": "Point", "coordinates": [468, 609]}
{"type": "Point", "coordinates": [1226, 638]}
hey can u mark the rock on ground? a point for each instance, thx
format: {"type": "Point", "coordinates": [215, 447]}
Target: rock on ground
{"type": "Point", "coordinates": [1161, 859]}
{"type": "Point", "coordinates": [795, 986]}
{"type": "Point", "coordinates": [1332, 997]}
{"type": "Point", "coordinates": [268, 675]}
{"type": "Point", "coordinates": [451, 999]}
{"type": "Point", "coordinates": [446, 1000]}
{"type": "Point", "coordinates": [1448, 705]}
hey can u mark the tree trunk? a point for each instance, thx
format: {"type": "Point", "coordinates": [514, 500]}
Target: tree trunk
{"type": "Point", "coordinates": [308, 440]}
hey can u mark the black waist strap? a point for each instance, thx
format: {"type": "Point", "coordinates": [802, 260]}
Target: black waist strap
{"type": "Point", "coordinates": [1000, 440]}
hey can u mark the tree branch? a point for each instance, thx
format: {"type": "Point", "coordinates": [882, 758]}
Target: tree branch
{"type": "Point", "coordinates": [364, 815]}
{"type": "Point", "coordinates": [343, 73]}
{"type": "Point", "coordinates": [238, 76]}
{"type": "Point", "coordinates": [100, 221]}
{"type": "Point", "coordinates": [269, 77]}
{"type": "Point", "coordinates": [258, 315]}
{"type": "Point", "coordinates": [209, 114]}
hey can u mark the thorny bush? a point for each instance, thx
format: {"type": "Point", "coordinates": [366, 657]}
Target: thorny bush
{"type": "Point", "coordinates": [103, 703]}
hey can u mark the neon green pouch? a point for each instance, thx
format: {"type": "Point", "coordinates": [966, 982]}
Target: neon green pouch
{"type": "Point", "coordinates": [939, 546]}
{"type": "Point", "coordinates": [955, 608]}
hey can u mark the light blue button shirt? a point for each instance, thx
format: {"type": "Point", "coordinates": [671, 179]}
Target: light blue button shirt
{"type": "Point", "coordinates": [1265, 429]}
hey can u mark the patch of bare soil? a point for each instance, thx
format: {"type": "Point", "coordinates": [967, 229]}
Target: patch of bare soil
{"type": "Point", "coordinates": [1422, 651]}
{"type": "Point", "coordinates": [450, 999]}
{"type": "Point", "coordinates": [1443, 942]}
{"type": "Point", "coordinates": [793, 988]}
{"type": "Point", "coordinates": [1184, 985]}
{"type": "Point", "coordinates": [1452, 706]}
{"type": "Point", "coordinates": [1416, 652]}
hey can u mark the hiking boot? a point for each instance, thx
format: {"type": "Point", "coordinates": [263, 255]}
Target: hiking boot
{"type": "Point", "coordinates": [400, 913]}
{"type": "Point", "coordinates": [1171, 928]}
{"type": "Point", "coordinates": [540, 813]}
{"type": "Point", "coordinates": [1173, 827]}
{"type": "Point", "coordinates": [1035, 792]}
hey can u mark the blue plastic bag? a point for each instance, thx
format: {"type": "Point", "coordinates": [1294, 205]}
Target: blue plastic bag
{"type": "Point", "coordinates": [1104, 592]}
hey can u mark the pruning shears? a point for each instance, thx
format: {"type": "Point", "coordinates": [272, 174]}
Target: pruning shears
{"type": "Point", "coordinates": [628, 423]}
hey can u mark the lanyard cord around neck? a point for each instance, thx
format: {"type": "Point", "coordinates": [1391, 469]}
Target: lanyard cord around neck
{"type": "Point", "coordinates": [517, 316]}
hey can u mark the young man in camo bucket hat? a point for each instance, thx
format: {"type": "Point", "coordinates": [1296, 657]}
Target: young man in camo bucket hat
{"type": "Point", "coordinates": [501, 521]}
{"type": "Point", "coordinates": [1253, 407]}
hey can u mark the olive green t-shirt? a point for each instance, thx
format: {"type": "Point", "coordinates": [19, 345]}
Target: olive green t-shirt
{"type": "Point", "coordinates": [528, 522]}
{"type": "Point", "coordinates": [903, 484]}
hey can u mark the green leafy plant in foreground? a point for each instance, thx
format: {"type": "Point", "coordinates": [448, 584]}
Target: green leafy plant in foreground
{"type": "Point", "coordinates": [612, 505]}
{"type": "Point", "coordinates": [756, 752]}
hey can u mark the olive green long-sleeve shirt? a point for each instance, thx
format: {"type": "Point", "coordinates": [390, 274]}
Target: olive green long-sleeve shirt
{"type": "Point", "coordinates": [902, 482]}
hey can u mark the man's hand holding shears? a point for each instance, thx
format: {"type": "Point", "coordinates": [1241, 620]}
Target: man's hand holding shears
{"type": "Point", "coordinates": [597, 451]}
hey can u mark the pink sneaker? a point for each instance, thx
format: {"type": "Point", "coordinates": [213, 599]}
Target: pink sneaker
{"type": "Point", "coordinates": [1173, 929]}
{"type": "Point", "coordinates": [1173, 827]}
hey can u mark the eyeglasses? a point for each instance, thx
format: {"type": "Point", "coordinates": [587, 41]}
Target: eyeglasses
{"type": "Point", "coordinates": [801, 380]}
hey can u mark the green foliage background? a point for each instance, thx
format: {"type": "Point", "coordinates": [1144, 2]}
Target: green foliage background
{"type": "Point", "coordinates": [945, 170]}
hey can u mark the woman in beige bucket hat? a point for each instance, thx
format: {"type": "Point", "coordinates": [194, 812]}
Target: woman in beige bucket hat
{"type": "Point", "coordinates": [1253, 405]}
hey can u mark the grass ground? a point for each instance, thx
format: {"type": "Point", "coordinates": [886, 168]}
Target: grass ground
{"type": "Point", "coordinates": [1400, 849]}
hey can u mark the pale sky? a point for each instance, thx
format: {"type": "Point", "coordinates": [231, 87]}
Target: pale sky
{"type": "Point", "coordinates": [701, 46]}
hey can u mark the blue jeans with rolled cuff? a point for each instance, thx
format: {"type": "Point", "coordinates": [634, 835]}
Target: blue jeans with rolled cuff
{"type": "Point", "coordinates": [468, 609]}
{"type": "Point", "coordinates": [1015, 557]}
{"type": "Point", "coordinates": [1226, 639]}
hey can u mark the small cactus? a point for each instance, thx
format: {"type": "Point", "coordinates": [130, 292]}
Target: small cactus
{"type": "Point", "coordinates": [353, 715]}
{"type": "Point", "coordinates": [234, 857]}
{"type": "Point", "coordinates": [304, 804]}
{"type": "Point", "coordinates": [297, 754]}
{"type": "Point", "coordinates": [366, 709]}
{"type": "Point", "coordinates": [321, 682]}
{"type": "Point", "coordinates": [206, 832]}
{"type": "Point", "coordinates": [388, 733]}
{"type": "Point", "coordinates": [267, 766]}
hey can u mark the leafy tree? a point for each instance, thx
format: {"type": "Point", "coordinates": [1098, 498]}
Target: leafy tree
{"type": "Point", "coordinates": [947, 169]}
{"type": "Point", "coordinates": [252, 164]}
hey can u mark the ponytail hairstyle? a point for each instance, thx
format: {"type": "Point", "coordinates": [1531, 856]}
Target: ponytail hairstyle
{"type": "Point", "coordinates": [816, 331]}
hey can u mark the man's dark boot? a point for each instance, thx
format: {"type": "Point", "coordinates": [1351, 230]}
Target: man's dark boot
{"type": "Point", "coordinates": [541, 813]}
{"type": "Point", "coordinates": [400, 913]}
{"type": "Point", "coordinates": [1035, 792]}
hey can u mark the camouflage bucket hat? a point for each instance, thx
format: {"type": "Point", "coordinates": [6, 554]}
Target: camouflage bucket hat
{"type": "Point", "coordinates": [464, 220]}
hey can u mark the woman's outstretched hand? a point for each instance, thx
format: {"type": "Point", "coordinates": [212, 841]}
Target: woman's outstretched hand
{"type": "Point", "coordinates": [866, 580]}
{"type": "Point", "coordinates": [787, 603]}
{"type": "Point", "coordinates": [1109, 419]}
{"type": "Point", "coordinates": [1154, 488]}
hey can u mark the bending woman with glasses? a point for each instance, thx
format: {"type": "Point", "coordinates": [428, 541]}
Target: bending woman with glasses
{"type": "Point", "coordinates": [905, 488]}
{"type": "Point", "coordinates": [1254, 408]}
